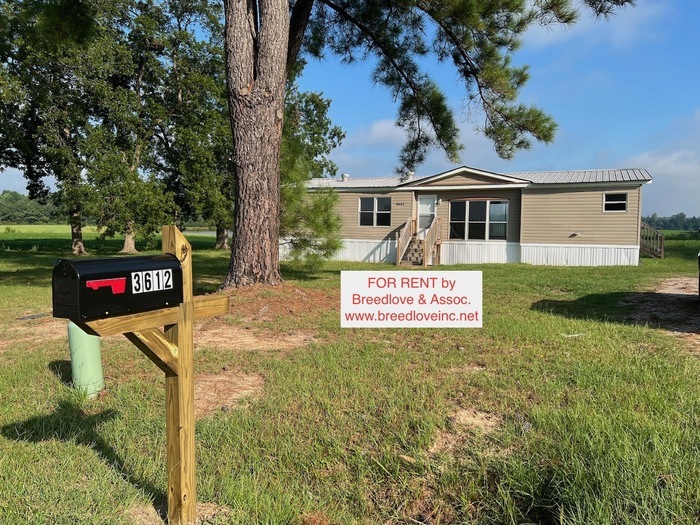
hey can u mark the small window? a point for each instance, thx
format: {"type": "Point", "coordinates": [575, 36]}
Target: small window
{"type": "Point", "coordinates": [614, 202]}
{"type": "Point", "coordinates": [367, 211]}
{"type": "Point", "coordinates": [375, 211]}
{"type": "Point", "coordinates": [383, 211]}
{"type": "Point", "coordinates": [498, 220]}
{"type": "Point", "coordinates": [458, 221]}
{"type": "Point", "coordinates": [477, 221]}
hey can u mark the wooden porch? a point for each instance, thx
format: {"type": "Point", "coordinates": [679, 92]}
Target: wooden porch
{"type": "Point", "coordinates": [651, 241]}
{"type": "Point", "coordinates": [412, 251]}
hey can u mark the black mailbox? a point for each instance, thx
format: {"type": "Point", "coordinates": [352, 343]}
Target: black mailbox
{"type": "Point", "coordinates": [89, 289]}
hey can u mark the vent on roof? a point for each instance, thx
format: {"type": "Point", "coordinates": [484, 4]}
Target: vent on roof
{"type": "Point", "coordinates": [344, 177]}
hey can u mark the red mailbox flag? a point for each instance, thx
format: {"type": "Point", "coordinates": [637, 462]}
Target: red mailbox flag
{"type": "Point", "coordinates": [117, 284]}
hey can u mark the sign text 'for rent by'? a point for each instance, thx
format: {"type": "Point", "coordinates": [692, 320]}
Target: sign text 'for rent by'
{"type": "Point", "coordinates": [396, 299]}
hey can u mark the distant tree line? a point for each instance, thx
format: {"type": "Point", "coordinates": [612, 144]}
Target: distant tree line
{"type": "Point", "coordinates": [16, 208]}
{"type": "Point", "coordinates": [679, 221]}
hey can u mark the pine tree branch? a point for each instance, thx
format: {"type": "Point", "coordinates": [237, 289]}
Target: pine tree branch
{"type": "Point", "coordinates": [387, 54]}
{"type": "Point", "coordinates": [301, 13]}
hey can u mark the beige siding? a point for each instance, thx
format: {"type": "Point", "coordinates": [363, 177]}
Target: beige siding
{"type": "Point", "coordinates": [512, 196]}
{"type": "Point", "coordinates": [461, 180]}
{"type": "Point", "coordinates": [554, 215]}
{"type": "Point", "coordinates": [349, 206]}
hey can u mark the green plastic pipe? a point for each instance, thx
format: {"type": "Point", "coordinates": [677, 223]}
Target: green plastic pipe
{"type": "Point", "coordinates": [85, 361]}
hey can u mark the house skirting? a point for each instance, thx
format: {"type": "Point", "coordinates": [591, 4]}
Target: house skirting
{"type": "Point", "coordinates": [367, 251]}
{"type": "Point", "coordinates": [579, 254]}
{"type": "Point", "coordinates": [456, 252]}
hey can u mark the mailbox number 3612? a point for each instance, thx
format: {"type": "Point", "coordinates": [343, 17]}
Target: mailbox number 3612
{"type": "Point", "coordinates": [151, 281]}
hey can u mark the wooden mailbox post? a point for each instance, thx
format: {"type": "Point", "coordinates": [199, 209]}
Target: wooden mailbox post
{"type": "Point", "coordinates": [172, 350]}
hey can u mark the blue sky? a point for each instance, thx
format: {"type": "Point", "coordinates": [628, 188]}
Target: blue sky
{"type": "Point", "coordinates": [624, 91]}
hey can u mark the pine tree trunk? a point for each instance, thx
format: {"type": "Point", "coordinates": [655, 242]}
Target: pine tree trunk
{"type": "Point", "coordinates": [256, 53]}
{"type": "Point", "coordinates": [76, 232]}
{"type": "Point", "coordinates": [129, 239]}
{"type": "Point", "coordinates": [221, 238]}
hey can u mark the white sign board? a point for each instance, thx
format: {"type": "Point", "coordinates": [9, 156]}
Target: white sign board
{"type": "Point", "coordinates": [404, 299]}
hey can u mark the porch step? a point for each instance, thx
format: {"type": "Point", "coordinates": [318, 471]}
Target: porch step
{"type": "Point", "coordinates": [414, 253]}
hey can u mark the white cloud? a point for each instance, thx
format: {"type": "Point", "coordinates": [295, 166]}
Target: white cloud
{"type": "Point", "coordinates": [381, 133]}
{"type": "Point", "coordinates": [674, 164]}
{"type": "Point", "coordinates": [624, 28]}
{"type": "Point", "coordinates": [676, 183]}
{"type": "Point", "coordinates": [371, 150]}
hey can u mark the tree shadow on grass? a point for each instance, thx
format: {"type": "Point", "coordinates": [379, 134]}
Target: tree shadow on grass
{"type": "Point", "coordinates": [676, 312]}
{"type": "Point", "coordinates": [70, 423]}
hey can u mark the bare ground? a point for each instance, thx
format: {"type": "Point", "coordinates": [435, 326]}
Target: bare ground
{"type": "Point", "coordinates": [207, 514]}
{"type": "Point", "coordinates": [221, 392]}
{"type": "Point", "coordinates": [33, 329]}
{"type": "Point", "coordinates": [672, 305]}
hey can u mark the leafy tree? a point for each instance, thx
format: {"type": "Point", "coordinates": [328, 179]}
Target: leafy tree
{"type": "Point", "coordinates": [192, 148]}
{"type": "Point", "coordinates": [16, 208]}
{"type": "Point", "coordinates": [43, 111]}
{"type": "Point", "coordinates": [77, 77]}
{"type": "Point", "coordinates": [679, 221]}
{"type": "Point", "coordinates": [90, 110]}
{"type": "Point", "coordinates": [263, 39]}
{"type": "Point", "coordinates": [128, 111]}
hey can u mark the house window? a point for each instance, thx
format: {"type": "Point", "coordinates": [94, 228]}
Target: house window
{"type": "Point", "coordinates": [614, 202]}
{"type": "Point", "coordinates": [375, 211]}
{"type": "Point", "coordinates": [479, 220]}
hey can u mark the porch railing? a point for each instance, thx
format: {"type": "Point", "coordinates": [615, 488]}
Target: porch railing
{"type": "Point", "coordinates": [432, 242]}
{"type": "Point", "coordinates": [404, 239]}
{"type": "Point", "coordinates": [651, 241]}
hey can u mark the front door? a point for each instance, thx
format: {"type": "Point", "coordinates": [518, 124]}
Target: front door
{"type": "Point", "coordinates": [426, 213]}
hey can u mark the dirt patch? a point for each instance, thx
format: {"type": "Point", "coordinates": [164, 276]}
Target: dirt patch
{"type": "Point", "coordinates": [459, 424]}
{"type": "Point", "coordinates": [33, 329]}
{"type": "Point", "coordinates": [268, 309]}
{"type": "Point", "coordinates": [144, 515]}
{"type": "Point", "coordinates": [268, 303]}
{"type": "Point", "coordinates": [482, 421]}
{"type": "Point", "coordinates": [217, 333]}
{"type": "Point", "coordinates": [207, 514]}
{"type": "Point", "coordinates": [445, 442]}
{"type": "Point", "coordinates": [315, 518]}
{"type": "Point", "coordinates": [672, 305]}
{"type": "Point", "coordinates": [221, 392]}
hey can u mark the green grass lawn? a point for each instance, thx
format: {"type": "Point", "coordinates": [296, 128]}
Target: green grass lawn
{"type": "Point", "coordinates": [559, 410]}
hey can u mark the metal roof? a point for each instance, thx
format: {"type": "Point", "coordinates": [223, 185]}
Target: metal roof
{"type": "Point", "coordinates": [378, 182]}
{"type": "Point", "coordinates": [534, 177]}
{"type": "Point", "coordinates": [584, 176]}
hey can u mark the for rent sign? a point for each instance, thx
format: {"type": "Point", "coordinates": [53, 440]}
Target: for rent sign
{"type": "Point", "coordinates": [410, 300]}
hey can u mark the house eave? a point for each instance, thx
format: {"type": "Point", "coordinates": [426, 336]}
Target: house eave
{"type": "Point", "coordinates": [358, 189]}
{"type": "Point", "coordinates": [418, 183]}
{"type": "Point", "coordinates": [461, 188]}
{"type": "Point", "coordinates": [588, 185]}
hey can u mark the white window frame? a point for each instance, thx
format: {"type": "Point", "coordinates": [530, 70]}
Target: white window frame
{"type": "Point", "coordinates": [375, 211]}
{"type": "Point", "coordinates": [487, 222]}
{"type": "Point", "coordinates": [606, 202]}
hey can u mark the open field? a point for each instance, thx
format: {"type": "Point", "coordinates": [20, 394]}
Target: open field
{"type": "Point", "coordinates": [578, 402]}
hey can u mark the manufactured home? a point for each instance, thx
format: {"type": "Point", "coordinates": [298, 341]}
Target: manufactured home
{"type": "Point", "coordinates": [471, 216]}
